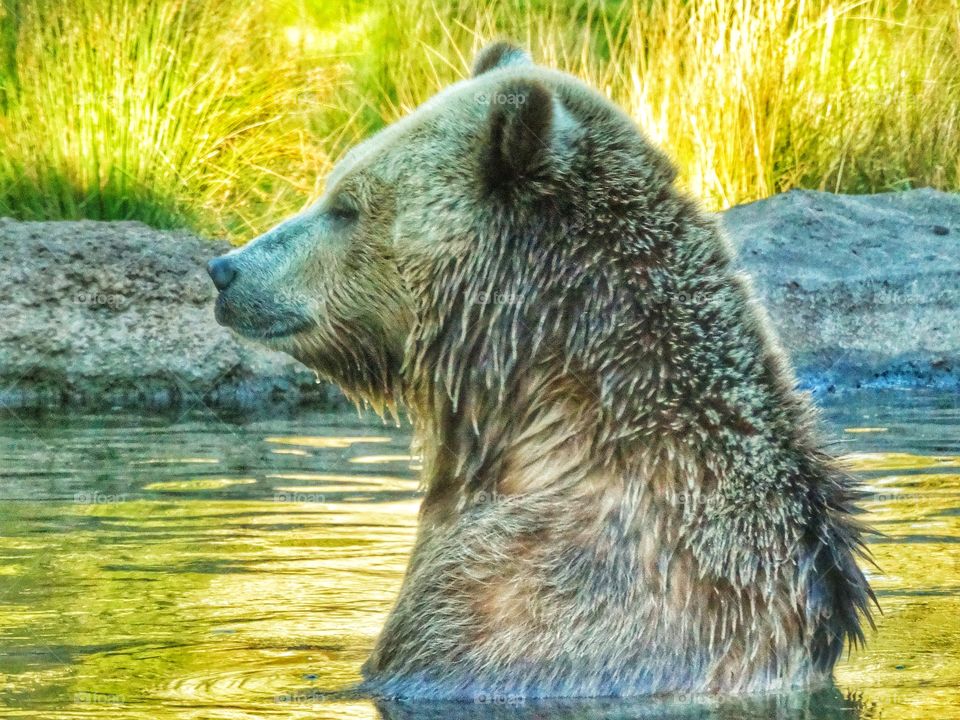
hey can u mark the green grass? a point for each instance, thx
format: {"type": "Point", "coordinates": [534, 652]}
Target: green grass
{"type": "Point", "coordinates": [225, 115]}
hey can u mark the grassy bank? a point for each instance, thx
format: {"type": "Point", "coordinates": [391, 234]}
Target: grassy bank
{"type": "Point", "coordinates": [225, 115]}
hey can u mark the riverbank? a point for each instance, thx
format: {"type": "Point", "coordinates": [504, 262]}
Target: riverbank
{"type": "Point", "coordinates": [864, 291]}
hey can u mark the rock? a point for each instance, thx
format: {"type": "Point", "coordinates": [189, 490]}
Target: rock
{"type": "Point", "coordinates": [106, 314]}
{"type": "Point", "coordinates": [864, 291]}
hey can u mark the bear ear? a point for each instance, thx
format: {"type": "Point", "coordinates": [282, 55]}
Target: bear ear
{"type": "Point", "coordinates": [519, 130]}
{"type": "Point", "coordinates": [498, 55]}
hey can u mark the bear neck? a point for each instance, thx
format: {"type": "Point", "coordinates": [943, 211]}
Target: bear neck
{"type": "Point", "coordinates": [490, 444]}
{"type": "Point", "coordinates": [638, 381]}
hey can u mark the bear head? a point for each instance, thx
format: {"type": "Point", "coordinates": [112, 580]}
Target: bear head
{"type": "Point", "coordinates": [488, 219]}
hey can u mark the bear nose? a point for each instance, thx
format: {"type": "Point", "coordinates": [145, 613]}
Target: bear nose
{"type": "Point", "coordinates": [222, 271]}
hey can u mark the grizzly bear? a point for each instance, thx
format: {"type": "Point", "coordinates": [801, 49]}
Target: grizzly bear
{"type": "Point", "coordinates": [624, 491]}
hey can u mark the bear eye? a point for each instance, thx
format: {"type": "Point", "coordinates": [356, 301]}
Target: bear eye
{"type": "Point", "coordinates": [343, 211]}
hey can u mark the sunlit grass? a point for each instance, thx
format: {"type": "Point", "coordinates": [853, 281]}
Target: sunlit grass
{"type": "Point", "coordinates": [225, 115]}
{"type": "Point", "coordinates": [169, 112]}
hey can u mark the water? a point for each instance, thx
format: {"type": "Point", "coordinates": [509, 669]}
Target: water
{"type": "Point", "coordinates": [208, 567]}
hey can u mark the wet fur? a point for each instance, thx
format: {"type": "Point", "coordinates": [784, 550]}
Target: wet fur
{"type": "Point", "coordinates": [624, 493]}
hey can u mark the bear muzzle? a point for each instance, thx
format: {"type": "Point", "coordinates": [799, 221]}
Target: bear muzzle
{"type": "Point", "coordinates": [256, 315]}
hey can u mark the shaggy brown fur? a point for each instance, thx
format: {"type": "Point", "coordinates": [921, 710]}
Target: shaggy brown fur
{"type": "Point", "coordinates": [624, 492]}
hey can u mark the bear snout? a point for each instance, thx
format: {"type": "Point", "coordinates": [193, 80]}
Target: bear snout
{"type": "Point", "coordinates": [252, 307]}
{"type": "Point", "coordinates": [222, 271]}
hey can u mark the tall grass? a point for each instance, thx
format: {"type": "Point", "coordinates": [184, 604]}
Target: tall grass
{"type": "Point", "coordinates": [225, 115]}
{"type": "Point", "coordinates": [168, 112]}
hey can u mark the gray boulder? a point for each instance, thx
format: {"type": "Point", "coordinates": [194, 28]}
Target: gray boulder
{"type": "Point", "coordinates": [105, 314]}
{"type": "Point", "coordinates": [863, 290]}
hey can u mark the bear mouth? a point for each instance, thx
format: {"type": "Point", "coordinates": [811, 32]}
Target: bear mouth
{"type": "Point", "coordinates": [278, 331]}
{"type": "Point", "coordinates": [275, 329]}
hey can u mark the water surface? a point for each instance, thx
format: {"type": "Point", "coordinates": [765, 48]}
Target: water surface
{"type": "Point", "coordinates": [212, 567]}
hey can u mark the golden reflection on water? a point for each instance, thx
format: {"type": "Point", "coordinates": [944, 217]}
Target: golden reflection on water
{"type": "Point", "coordinates": [381, 459]}
{"type": "Point", "coordinates": [199, 484]}
{"type": "Point", "coordinates": [911, 667]}
{"type": "Point", "coordinates": [290, 451]}
{"type": "Point", "coordinates": [897, 461]}
{"type": "Point", "coordinates": [325, 442]}
{"type": "Point", "coordinates": [134, 586]}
